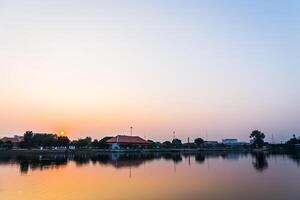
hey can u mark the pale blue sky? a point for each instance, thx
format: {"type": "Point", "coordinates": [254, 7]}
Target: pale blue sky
{"type": "Point", "coordinates": [97, 67]}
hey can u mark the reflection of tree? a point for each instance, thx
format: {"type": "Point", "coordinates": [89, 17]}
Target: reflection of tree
{"type": "Point", "coordinates": [27, 161]}
{"type": "Point", "coordinates": [24, 167]}
{"type": "Point", "coordinates": [295, 157]}
{"type": "Point", "coordinates": [33, 162]}
{"type": "Point", "coordinates": [81, 160]}
{"type": "Point", "coordinates": [103, 159]}
{"type": "Point", "coordinates": [200, 158]}
{"type": "Point", "coordinates": [260, 163]}
{"type": "Point", "coordinates": [175, 157]}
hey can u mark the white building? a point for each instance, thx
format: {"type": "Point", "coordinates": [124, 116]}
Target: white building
{"type": "Point", "coordinates": [230, 141]}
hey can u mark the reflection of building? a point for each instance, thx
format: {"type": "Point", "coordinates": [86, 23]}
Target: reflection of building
{"type": "Point", "coordinates": [231, 156]}
{"type": "Point", "coordinates": [14, 139]}
{"type": "Point", "coordinates": [124, 141]}
{"type": "Point", "coordinates": [126, 163]}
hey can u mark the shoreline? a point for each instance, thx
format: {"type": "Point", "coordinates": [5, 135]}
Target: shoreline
{"type": "Point", "coordinates": [92, 151]}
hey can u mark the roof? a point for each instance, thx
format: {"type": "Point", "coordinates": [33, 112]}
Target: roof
{"type": "Point", "coordinates": [229, 139]}
{"type": "Point", "coordinates": [127, 140]}
{"type": "Point", "coordinates": [14, 139]}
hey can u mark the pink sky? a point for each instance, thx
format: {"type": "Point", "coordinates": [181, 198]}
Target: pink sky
{"type": "Point", "coordinates": [97, 68]}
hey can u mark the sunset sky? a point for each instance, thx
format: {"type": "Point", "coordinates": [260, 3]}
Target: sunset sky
{"type": "Point", "coordinates": [95, 68]}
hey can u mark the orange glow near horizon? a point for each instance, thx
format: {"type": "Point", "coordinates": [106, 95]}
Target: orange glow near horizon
{"type": "Point", "coordinates": [61, 133]}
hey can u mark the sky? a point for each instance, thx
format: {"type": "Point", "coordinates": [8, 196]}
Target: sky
{"type": "Point", "coordinates": [210, 69]}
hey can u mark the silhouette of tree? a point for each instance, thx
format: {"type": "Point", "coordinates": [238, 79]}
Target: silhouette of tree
{"type": "Point", "coordinates": [95, 144]}
{"type": "Point", "coordinates": [293, 140]}
{"type": "Point", "coordinates": [82, 143]}
{"type": "Point", "coordinates": [63, 141]}
{"type": "Point", "coordinates": [43, 140]}
{"type": "Point", "coordinates": [152, 144]}
{"type": "Point", "coordinates": [258, 138]}
{"type": "Point", "coordinates": [176, 142]}
{"type": "Point", "coordinates": [167, 144]}
{"type": "Point", "coordinates": [28, 139]}
{"type": "Point", "coordinates": [7, 145]}
{"type": "Point", "coordinates": [198, 141]}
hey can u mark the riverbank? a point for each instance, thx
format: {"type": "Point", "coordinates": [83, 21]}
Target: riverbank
{"type": "Point", "coordinates": [165, 150]}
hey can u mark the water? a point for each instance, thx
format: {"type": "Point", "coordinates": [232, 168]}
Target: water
{"type": "Point", "coordinates": [164, 176]}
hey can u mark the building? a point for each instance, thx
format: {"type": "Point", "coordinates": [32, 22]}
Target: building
{"type": "Point", "coordinates": [124, 141]}
{"type": "Point", "coordinates": [210, 142]}
{"type": "Point", "coordinates": [230, 141]}
{"type": "Point", "coordinates": [13, 140]}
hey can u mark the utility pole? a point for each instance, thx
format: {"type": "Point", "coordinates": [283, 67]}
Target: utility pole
{"type": "Point", "coordinates": [131, 130]}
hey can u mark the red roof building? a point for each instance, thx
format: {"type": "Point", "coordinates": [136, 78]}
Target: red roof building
{"type": "Point", "coordinates": [124, 139]}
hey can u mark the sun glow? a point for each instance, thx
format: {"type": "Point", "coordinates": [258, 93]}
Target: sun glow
{"type": "Point", "coordinates": [62, 133]}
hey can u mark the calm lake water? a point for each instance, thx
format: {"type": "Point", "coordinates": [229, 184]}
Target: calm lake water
{"type": "Point", "coordinates": [164, 176]}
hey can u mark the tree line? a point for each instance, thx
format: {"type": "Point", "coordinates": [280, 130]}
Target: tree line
{"type": "Point", "coordinates": [36, 140]}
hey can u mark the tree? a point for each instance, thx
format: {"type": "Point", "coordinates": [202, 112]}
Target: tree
{"type": "Point", "coordinates": [176, 142]}
{"type": "Point", "coordinates": [258, 138]}
{"type": "Point", "coordinates": [152, 144]}
{"type": "Point", "coordinates": [167, 144]}
{"type": "Point", "coordinates": [46, 140]}
{"type": "Point", "coordinates": [63, 141]}
{"type": "Point", "coordinates": [102, 143]}
{"type": "Point", "coordinates": [198, 141]}
{"type": "Point", "coordinates": [82, 143]}
{"type": "Point", "coordinates": [7, 145]}
{"type": "Point", "coordinates": [95, 144]}
{"type": "Point", "coordinates": [28, 138]}
{"type": "Point", "coordinates": [293, 140]}
{"type": "Point", "coordinates": [43, 140]}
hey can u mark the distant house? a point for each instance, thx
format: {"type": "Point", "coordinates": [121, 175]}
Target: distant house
{"type": "Point", "coordinates": [124, 141]}
{"type": "Point", "coordinates": [72, 147]}
{"type": "Point", "coordinates": [13, 140]}
{"type": "Point", "coordinates": [210, 142]}
{"type": "Point", "coordinates": [230, 141]}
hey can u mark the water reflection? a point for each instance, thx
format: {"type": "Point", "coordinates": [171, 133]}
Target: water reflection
{"type": "Point", "coordinates": [295, 157]}
{"type": "Point", "coordinates": [200, 158]}
{"type": "Point", "coordinates": [260, 162]}
{"type": "Point", "coordinates": [32, 162]}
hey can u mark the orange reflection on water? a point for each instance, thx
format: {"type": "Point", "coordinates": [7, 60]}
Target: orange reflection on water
{"type": "Point", "coordinates": [184, 178]}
